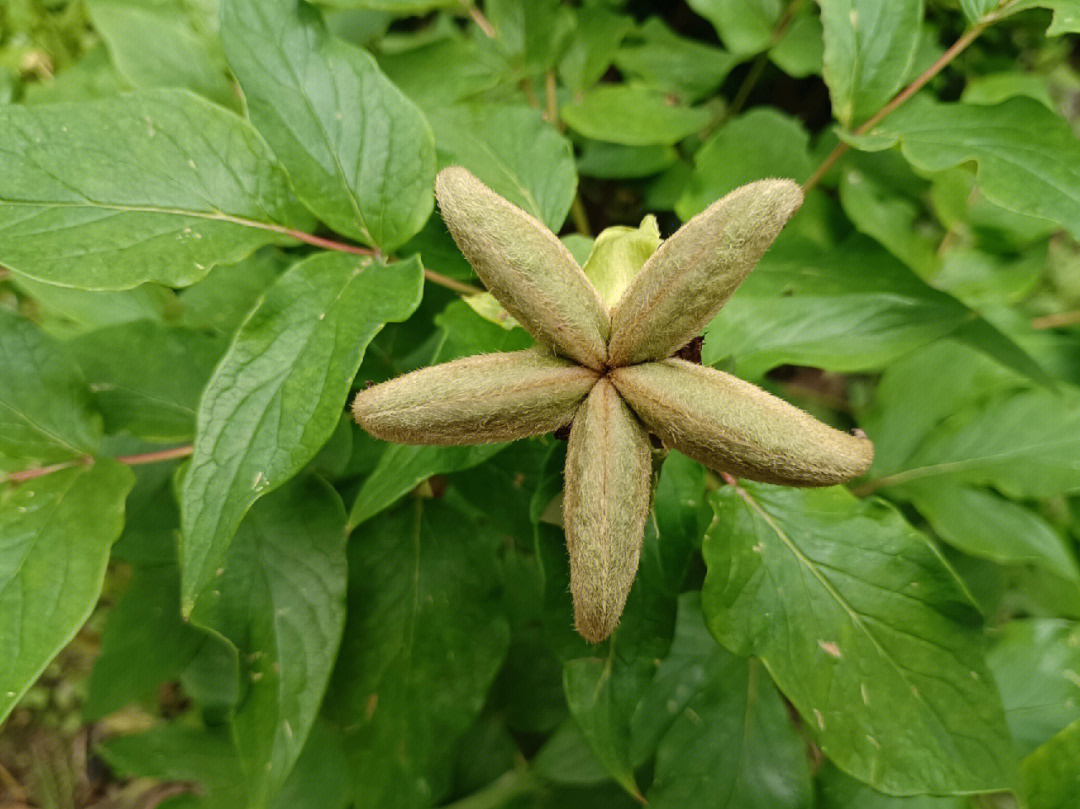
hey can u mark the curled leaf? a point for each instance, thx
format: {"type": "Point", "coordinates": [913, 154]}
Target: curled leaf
{"type": "Point", "coordinates": [525, 267]}
{"type": "Point", "coordinates": [608, 478]}
{"type": "Point", "coordinates": [733, 426]}
{"type": "Point", "coordinates": [476, 400]}
{"type": "Point", "coordinates": [686, 281]}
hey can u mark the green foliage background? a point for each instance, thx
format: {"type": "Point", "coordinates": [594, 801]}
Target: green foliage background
{"type": "Point", "coordinates": [216, 219]}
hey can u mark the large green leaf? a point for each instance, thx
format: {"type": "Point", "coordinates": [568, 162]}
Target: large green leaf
{"type": "Point", "coordinates": [155, 186]}
{"type": "Point", "coordinates": [1028, 157]}
{"type": "Point", "coordinates": [147, 377]}
{"type": "Point", "coordinates": [632, 116]}
{"type": "Point", "coordinates": [865, 629]}
{"type": "Point", "coordinates": [722, 734]}
{"type": "Point", "coordinates": [423, 641]}
{"type": "Point", "coordinates": [55, 535]}
{"type": "Point", "coordinates": [277, 394]}
{"type": "Point", "coordinates": [1035, 664]}
{"type": "Point", "coordinates": [985, 524]}
{"type": "Point", "coordinates": [280, 600]}
{"type": "Point", "coordinates": [514, 151]}
{"type": "Point", "coordinates": [1025, 444]}
{"type": "Point", "coordinates": [597, 34]}
{"type": "Point", "coordinates": [869, 49]}
{"type": "Point", "coordinates": [840, 791]}
{"type": "Point", "coordinates": [46, 411]}
{"type": "Point", "coordinates": [164, 43]}
{"type": "Point", "coordinates": [359, 153]}
{"type": "Point", "coordinates": [809, 306]}
{"type": "Point", "coordinates": [762, 143]}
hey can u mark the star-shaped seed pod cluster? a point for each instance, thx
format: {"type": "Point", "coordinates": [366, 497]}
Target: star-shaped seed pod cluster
{"type": "Point", "coordinates": [606, 368]}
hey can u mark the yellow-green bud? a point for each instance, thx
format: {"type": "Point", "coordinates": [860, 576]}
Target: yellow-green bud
{"type": "Point", "coordinates": [735, 427]}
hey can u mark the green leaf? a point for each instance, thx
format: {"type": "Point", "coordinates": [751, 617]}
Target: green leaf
{"type": "Point", "coordinates": [423, 641]}
{"type": "Point", "coordinates": [434, 74]}
{"type": "Point", "coordinates": [761, 143]}
{"type": "Point", "coordinates": [869, 49]}
{"type": "Point", "coordinates": [514, 152]}
{"type": "Point", "coordinates": [359, 153]}
{"type": "Point", "coordinates": [177, 753]}
{"type": "Point", "coordinates": [1066, 18]}
{"type": "Point", "coordinates": [147, 377]}
{"type": "Point", "coordinates": [531, 33]}
{"type": "Point", "coordinates": [865, 629]}
{"type": "Point", "coordinates": [921, 390]}
{"type": "Point", "coordinates": [1024, 444]}
{"type": "Point", "coordinates": [610, 161]}
{"type": "Point", "coordinates": [808, 306]}
{"type": "Point", "coordinates": [975, 10]}
{"type": "Point", "coordinates": [402, 467]}
{"type": "Point", "coordinates": [702, 694]}
{"type": "Point", "coordinates": [68, 311]}
{"type": "Point", "coordinates": [1035, 664]}
{"type": "Point", "coordinates": [395, 6]}
{"type": "Point", "coordinates": [154, 186]}
{"type": "Point", "coordinates": [1049, 777]}
{"type": "Point", "coordinates": [46, 410]}
{"type": "Point", "coordinates": [597, 35]}
{"type": "Point", "coordinates": [164, 43]}
{"type": "Point", "coordinates": [1028, 157]}
{"type": "Point", "coordinates": [320, 779]}
{"type": "Point", "coordinates": [280, 600]}
{"type": "Point", "coordinates": [276, 396]}
{"type": "Point", "coordinates": [745, 26]}
{"type": "Point", "coordinates": [840, 791]}
{"type": "Point", "coordinates": [632, 116]}
{"type": "Point", "coordinates": [982, 523]}
{"type": "Point", "coordinates": [800, 52]}
{"type": "Point", "coordinates": [222, 300]}
{"type": "Point", "coordinates": [671, 63]}
{"type": "Point", "coordinates": [618, 255]}
{"type": "Point", "coordinates": [57, 532]}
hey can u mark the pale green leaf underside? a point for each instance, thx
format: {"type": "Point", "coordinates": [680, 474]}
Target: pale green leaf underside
{"type": "Point", "coordinates": [277, 394]}
{"type": "Point", "coordinates": [55, 535]}
{"type": "Point", "coordinates": [360, 154]}
{"type": "Point", "coordinates": [155, 186]}
{"type": "Point", "coordinates": [865, 629]}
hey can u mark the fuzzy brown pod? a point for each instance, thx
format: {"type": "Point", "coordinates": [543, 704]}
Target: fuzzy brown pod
{"type": "Point", "coordinates": [526, 267]}
{"type": "Point", "coordinates": [613, 376]}
{"type": "Point", "coordinates": [732, 426]}
{"type": "Point", "coordinates": [608, 484]}
{"type": "Point", "coordinates": [686, 281]}
{"type": "Point", "coordinates": [476, 400]}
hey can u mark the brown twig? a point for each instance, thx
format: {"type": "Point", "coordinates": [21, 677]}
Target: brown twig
{"type": "Point", "coordinates": [939, 64]}
{"type": "Point", "coordinates": [1057, 319]}
{"type": "Point", "coordinates": [87, 460]}
{"type": "Point", "coordinates": [482, 22]}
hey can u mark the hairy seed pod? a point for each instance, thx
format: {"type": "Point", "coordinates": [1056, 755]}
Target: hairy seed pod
{"type": "Point", "coordinates": [476, 400]}
{"type": "Point", "coordinates": [732, 426]}
{"type": "Point", "coordinates": [526, 267]}
{"type": "Point", "coordinates": [684, 283]}
{"type": "Point", "coordinates": [608, 481]}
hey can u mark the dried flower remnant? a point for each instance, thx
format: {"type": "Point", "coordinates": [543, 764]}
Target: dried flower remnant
{"type": "Point", "coordinates": [610, 373]}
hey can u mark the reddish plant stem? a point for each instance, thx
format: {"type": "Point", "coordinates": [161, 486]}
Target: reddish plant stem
{"type": "Point", "coordinates": [87, 460]}
{"type": "Point", "coordinates": [345, 247]}
{"type": "Point", "coordinates": [1055, 320]}
{"type": "Point", "coordinates": [940, 64]}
